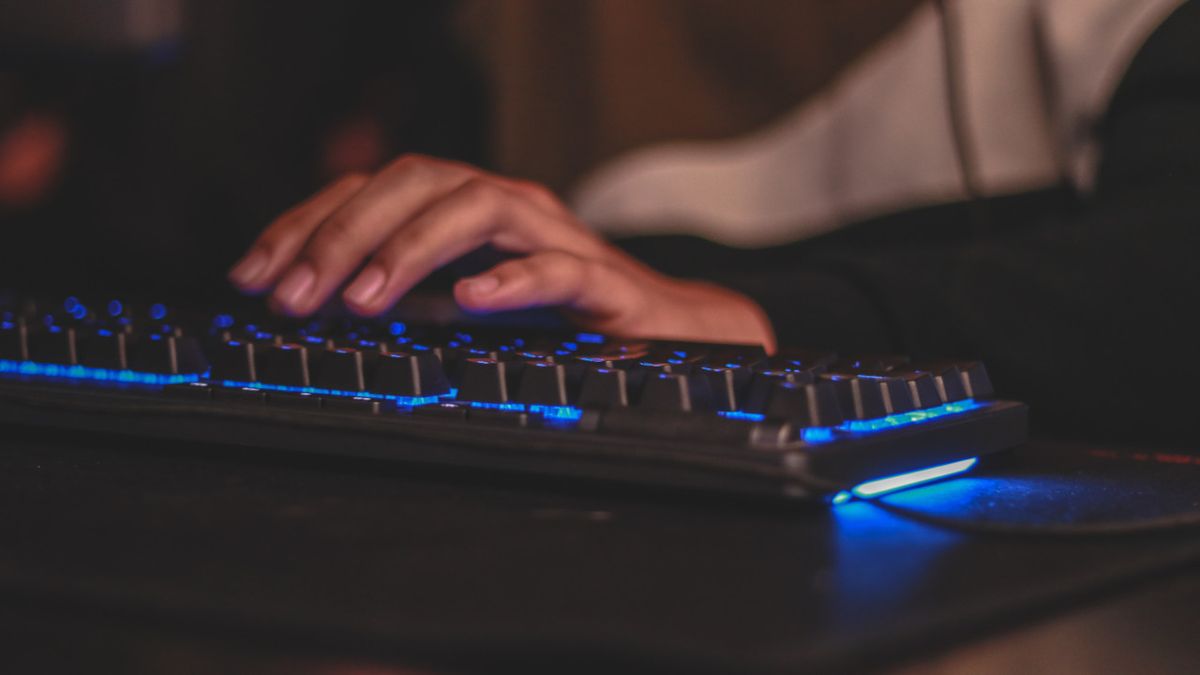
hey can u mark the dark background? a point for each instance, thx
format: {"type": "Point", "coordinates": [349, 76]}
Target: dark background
{"type": "Point", "coordinates": [177, 152]}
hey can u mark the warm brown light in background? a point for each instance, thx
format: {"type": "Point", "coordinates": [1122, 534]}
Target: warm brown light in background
{"type": "Point", "coordinates": [578, 82]}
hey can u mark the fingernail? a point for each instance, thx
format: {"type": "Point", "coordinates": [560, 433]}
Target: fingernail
{"type": "Point", "coordinates": [481, 286]}
{"type": "Point", "coordinates": [293, 291]}
{"type": "Point", "coordinates": [365, 287]}
{"type": "Point", "coordinates": [249, 268]}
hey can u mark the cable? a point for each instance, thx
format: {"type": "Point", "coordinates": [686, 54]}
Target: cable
{"type": "Point", "coordinates": [964, 151]}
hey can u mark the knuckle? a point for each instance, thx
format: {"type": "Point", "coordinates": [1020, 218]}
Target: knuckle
{"type": "Point", "coordinates": [411, 163]}
{"type": "Point", "coordinates": [478, 188]}
{"type": "Point", "coordinates": [337, 232]}
{"type": "Point", "coordinates": [537, 192]}
{"type": "Point", "coordinates": [336, 241]}
{"type": "Point", "coordinates": [560, 267]}
{"type": "Point", "coordinates": [352, 181]}
{"type": "Point", "coordinates": [385, 258]}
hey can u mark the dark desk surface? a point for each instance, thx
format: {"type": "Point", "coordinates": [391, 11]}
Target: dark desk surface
{"type": "Point", "coordinates": [169, 559]}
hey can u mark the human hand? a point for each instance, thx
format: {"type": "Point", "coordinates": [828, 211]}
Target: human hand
{"type": "Point", "coordinates": [419, 213]}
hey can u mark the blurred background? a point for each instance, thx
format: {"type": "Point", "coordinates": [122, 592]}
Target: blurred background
{"type": "Point", "coordinates": [144, 143]}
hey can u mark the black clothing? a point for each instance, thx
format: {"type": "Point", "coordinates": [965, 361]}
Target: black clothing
{"type": "Point", "coordinates": [1079, 306]}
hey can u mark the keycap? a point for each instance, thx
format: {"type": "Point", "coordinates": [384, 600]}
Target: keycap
{"type": "Point", "coordinates": [858, 398]}
{"type": "Point", "coordinates": [975, 381]}
{"type": "Point", "coordinates": [897, 398]}
{"type": "Point", "coordinates": [669, 391]}
{"type": "Point", "coordinates": [800, 360]}
{"type": "Point", "coordinates": [805, 405]}
{"type": "Point", "coordinates": [235, 361]}
{"type": "Point", "coordinates": [418, 374]}
{"type": "Point", "coordinates": [678, 362]}
{"type": "Point", "coordinates": [13, 343]}
{"type": "Point", "coordinates": [726, 384]}
{"type": "Point", "coordinates": [546, 383]}
{"type": "Point", "coordinates": [340, 369]}
{"type": "Point", "coordinates": [763, 383]}
{"type": "Point", "coordinates": [604, 388]}
{"type": "Point", "coordinates": [873, 363]}
{"type": "Point", "coordinates": [286, 364]}
{"type": "Point", "coordinates": [489, 380]}
{"type": "Point", "coordinates": [169, 354]}
{"type": "Point", "coordinates": [54, 344]}
{"type": "Point", "coordinates": [948, 380]}
{"type": "Point", "coordinates": [105, 348]}
{"type": "Point", "coordinates": [921, 386]}
{"type": "Point", "coordinates": [624, 361]}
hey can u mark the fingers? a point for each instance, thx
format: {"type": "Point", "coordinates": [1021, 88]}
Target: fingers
{"type": "Point", "coordinates": [477, 212]}
{"type": "Point", "coordinates": [553, 279]}
{"type": "Point", "coordinates": [338, 246]}
{"type": "Point", "coordinates": [418, 214]}
{"type": "Point", "coordinates": [278, 245]}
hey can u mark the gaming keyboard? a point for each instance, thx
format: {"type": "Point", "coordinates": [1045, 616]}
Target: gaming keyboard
{"type": "Point", "coordinates": [808, 424]}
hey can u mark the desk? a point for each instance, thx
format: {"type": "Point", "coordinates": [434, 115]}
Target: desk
{"type": "Point", "coordinates": [156, 558]}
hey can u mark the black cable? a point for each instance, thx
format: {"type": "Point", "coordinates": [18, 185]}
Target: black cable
{"type": "Point", "coordinates": [964, 151]}
{"type": "Point", "coordinates": [966, 158]}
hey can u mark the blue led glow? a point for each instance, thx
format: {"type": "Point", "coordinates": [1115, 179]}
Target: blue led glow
{"type": "Point", "coordinates": [881, 486]}
{"type": "Point", "coordinates": [404, 401]}
{"type": "Point", "coordinates": [223, 320]}
{"type": "Point", "coordinates": [739, 415]}
{"type": "Point", "coordinates": [79, 312]}
{"type": "Point", "coordinates": [158, 311]}
{"type": "Point", "coordinates": [817, 435]}
{"type": "Point", "coordinates": [512, 407]}
{"type": "Point", "coordinates": [559, 412]}
{"type": "Point", "coordinates": [553, 412]}
{"type": "Point", "coordinates": [902, 419]}
{"type": "Point", "coordinates": [70, 304]}
{"type": "Point", "coordinates": [570, 346]}
{"type": "Point", "coordinates": [590, 338]}
{"type": "Point", "coordinates": [115, 308]}
{"type": "Point", "coordinates": [841, 498]}
{"type": "Point", "coordinates": [94, 374]}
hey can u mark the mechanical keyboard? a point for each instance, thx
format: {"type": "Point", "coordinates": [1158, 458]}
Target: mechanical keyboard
{"type": "Point", "coordinates": [808, 424]}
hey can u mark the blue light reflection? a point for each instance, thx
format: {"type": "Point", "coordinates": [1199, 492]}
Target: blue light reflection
{"type": "Point", "coordinates": [93, 374]}
{"type": "Point", "coordinates": [404, 401]}
{"type": "Point", "coordinates": [881, 486]}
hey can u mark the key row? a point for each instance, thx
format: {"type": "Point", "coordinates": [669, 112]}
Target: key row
{"type": "Point", "coordinates": [166, 351]}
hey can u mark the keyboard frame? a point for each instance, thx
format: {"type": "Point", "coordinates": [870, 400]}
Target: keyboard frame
{"type": "Point", "coordinates": [795, 471]}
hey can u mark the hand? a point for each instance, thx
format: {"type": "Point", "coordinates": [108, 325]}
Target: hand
{"type": "Point", "coordinates": [418, 213]}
